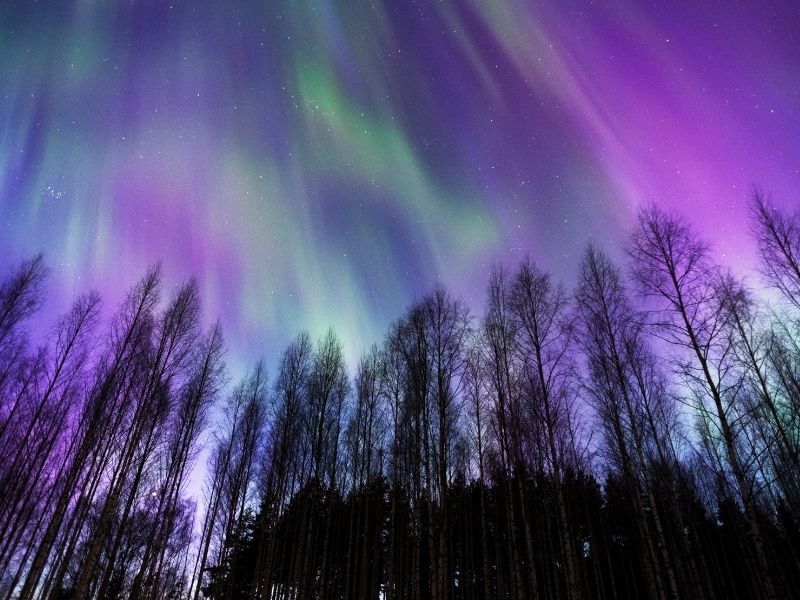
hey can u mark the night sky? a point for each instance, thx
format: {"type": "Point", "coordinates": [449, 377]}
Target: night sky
{"type": "Point", "coordinates": [325, 163]}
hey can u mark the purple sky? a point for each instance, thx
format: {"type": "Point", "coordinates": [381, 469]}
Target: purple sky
{"type": "Point", "coordinates": [324, 163]}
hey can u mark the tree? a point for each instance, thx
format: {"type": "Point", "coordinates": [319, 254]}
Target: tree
{"type": "Point", "coordinates": [505, 374]}
{"type": "Point", "coordinates": [452, 462]}
{"type": "Point", "coordinates": [231, 475]}
{"type": "Point", "coordinates": [613, 348]}
{"type": "Point", "coordinates": [447, 324]}
{"type": "Point", "coordinates": [777, 235]}
{"type": "Point", "coordinates": [285, 458]}
{"type": "Point", "coordinates": [98, 424]}
{"type": "Point", "coordinates": [672, 265]}
{"type": "Point", "coordinates": [166, 367]}
{"type": "Point", "coordinates": [540, 311]}
{"type": "Point", "coordinates": [180, 450]}
{"type": "Point", "coordinates": [40, 427]}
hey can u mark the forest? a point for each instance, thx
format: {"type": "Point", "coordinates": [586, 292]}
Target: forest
{"type": "Point", "coordinates": [636, 435]}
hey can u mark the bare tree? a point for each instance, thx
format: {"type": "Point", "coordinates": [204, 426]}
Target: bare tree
{"type": "Point", "coordinates": [175, 334]}
{"type": "Point", "coordinates": [505, 375]}
{"type": "Point", "coordinates": [98, 425]}
{"type": "Point", "coordinates": [545, 343]}
{"type": "Point", "coordinates": [231, 473]}
{"type": "Point", "coordinates": [284, 465]}
{"type": "Point", "coordinates": [21, 296]}
{"type": "Point", "coordinates": [447, 323]}
{"type": "Point", "coordinates": [180, 449]}
{"type": "Point", "coordinates": [365, 439]}
{"type": "Point", "coordinates": [672, 265]}
{"type": "Point", "coordinates": [366, 431]}
{"type": "Point", "coordinates": [328, 389]}
{"type": "Point", "coordinates": [32, 448]}
{"type": "Point", "coordinates": [478, 399]}
{"type": "Point", "coordinates": [612, 342]}
{"type": "Point", "coordinates": [778, 237]}
{"type": "Point", "coordinates": [409, 344]}
{"type": "Point", "coordinates": [454, 463]}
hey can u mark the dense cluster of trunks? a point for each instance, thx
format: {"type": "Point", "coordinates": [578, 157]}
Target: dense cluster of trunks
{"type": "Point", "coordinates": [635, 437]}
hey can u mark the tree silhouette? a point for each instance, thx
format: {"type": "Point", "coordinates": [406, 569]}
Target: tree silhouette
{"type": "Point", "coordinates": [639, 437]}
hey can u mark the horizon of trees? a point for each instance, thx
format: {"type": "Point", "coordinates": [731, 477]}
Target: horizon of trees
{"type": "Point", "coordinates": [637, 436]}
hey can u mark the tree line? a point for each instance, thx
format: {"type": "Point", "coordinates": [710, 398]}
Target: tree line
{"type": "Point", "coordinates": [637, 436]}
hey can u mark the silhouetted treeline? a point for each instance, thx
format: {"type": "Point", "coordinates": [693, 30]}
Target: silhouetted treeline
{"type": "Point", "coordinates": [637, 436]}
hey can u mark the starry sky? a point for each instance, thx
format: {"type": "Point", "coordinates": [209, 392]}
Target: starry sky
{"type": "Point", "coordinates": [321, 163]}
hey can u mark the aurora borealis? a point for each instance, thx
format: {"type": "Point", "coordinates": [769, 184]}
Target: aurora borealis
{"type": "Point", "coordinates": [323, 163]}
